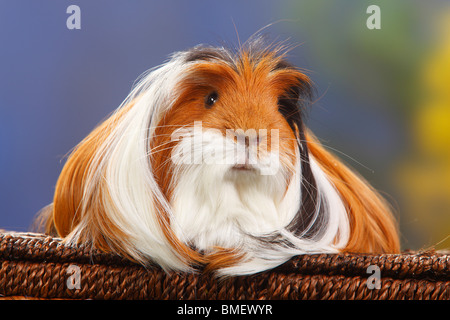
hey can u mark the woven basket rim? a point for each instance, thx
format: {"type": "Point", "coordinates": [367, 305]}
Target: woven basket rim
{"type": "Point", "coordinates": [415, 265]}
{"type": "Point", "coordinates": [35, 265]}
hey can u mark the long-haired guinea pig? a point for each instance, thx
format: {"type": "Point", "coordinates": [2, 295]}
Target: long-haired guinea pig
{"type": "Point", "coordinates": [207, 164]}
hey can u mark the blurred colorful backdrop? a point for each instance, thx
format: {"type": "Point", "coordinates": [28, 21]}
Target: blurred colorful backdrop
{"type": "Point", "coordinates": [382, 102]}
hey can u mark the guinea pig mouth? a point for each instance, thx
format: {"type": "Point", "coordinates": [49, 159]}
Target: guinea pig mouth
{"type": "Point", "coordinates": [243, 167]}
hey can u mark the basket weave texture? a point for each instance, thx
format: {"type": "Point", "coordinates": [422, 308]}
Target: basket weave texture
{"type": "Point", "coordinates": [39, 266]}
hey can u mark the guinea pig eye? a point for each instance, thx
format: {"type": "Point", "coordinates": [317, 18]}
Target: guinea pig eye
{"type": "Point", "coordinates": [211, 99]}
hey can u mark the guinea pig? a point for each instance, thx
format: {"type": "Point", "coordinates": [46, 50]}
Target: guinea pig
{"type": "Point", "coordinates": [208, 165]}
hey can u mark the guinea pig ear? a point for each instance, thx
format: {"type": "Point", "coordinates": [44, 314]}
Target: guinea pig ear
{"type": "Point", "coordinates": [294, 102]}
{"type": "Point", "coordinates": [372, 226]}
{"type": "Point", "coordinates": [289, 108]}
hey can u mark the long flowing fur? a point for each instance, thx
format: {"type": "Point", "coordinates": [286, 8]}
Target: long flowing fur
{"type": "Point", "coordinates": [372, 224]}
{"type": "Point", "coordinates": [121, 190]}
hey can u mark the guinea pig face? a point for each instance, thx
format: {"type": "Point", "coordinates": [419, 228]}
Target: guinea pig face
{"type": "Point", "coordinates": [228, 133]}
{"type": "Point", "coordinates": [231, 115]}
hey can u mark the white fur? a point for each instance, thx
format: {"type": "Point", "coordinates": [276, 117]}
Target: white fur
{"type": "Point", "coordinates": [215, 205]}
{"type": "Point", "coordinates": [122, 163]}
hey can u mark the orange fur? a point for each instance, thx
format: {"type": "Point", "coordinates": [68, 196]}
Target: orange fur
{"type": "Point", "coordinates": [69, 194]}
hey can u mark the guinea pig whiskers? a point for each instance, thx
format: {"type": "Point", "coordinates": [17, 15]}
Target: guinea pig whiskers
{"type": "Point", "coordinates": [153, 152]}
{"type": "Point", "coordinates": [157, 149]}
{"type": "Point", "coordinates": [162, 164]}
{"type": "Point", "coordinates": [340, 152]}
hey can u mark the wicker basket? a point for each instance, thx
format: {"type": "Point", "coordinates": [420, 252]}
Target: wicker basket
{"type": "Point", "coordinates": [40, 267]}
